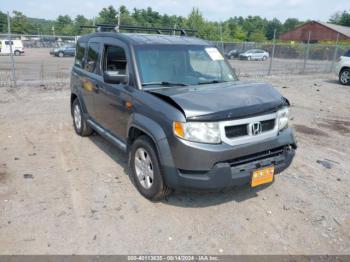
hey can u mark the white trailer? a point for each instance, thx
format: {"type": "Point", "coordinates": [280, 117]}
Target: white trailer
{"type": "Point", "coordinates": [17, 47]}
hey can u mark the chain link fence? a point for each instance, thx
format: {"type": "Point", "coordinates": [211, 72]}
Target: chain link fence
{"type": "Point", "coordinates": [294, 58]}
{"type": "Point", "coordinates": [36, 66]}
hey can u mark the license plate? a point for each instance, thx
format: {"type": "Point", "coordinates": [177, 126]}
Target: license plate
{"type": "Point", "coordinates": [262, 176]}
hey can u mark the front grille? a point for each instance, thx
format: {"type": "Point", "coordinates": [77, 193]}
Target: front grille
{"type": "Point", "coordinates": [236, 131]}
{"type": "Point", "coordinates": [267, 125]}
{"type": "Point", "coordinates": [242, 130]}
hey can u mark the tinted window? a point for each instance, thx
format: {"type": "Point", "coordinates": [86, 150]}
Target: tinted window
{"type": "Point", "coordinates": [80, 51]}
{"type": "Point", "coordinates": [347, 53]}
{"type": "Point", "coordinates": [8, 43]}
{"type": "Point", "coordinates": [92, 60]}
{"type": "Point", "coordinates": [115, 60]}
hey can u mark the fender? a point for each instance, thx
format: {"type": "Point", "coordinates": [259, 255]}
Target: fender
{"type": "Point", "coordinates": [157, 134]}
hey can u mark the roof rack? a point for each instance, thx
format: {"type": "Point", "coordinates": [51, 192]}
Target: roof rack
{"type": "Point", "coordinates": [158, 30]}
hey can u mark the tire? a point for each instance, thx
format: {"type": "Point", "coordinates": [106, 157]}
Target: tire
{"type": "Point", "coordinates": [145, 173]}
{"type": "Point", "coordinates": [17, 53]}
{"type": "Point", "coordinates": [344, 76]}
{"type": "Point", "coordinates": [249, 58]}
{"type": "Point", "coordinates": [264, 58]}
{"type": "Point", "coordinates": [60, 54]}
{"type": "Point", "coordinates": [79, 122]}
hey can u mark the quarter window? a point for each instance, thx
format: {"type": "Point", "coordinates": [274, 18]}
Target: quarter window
{"type": "Point", "coordinates": [93, 57]}
{"type": "Point", "coordinates": [80, 52]}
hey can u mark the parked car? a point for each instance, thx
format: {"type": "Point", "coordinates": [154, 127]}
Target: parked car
{"type": "Point", "coordinates": [233, 54]}
{"type": "Point", "coordinates": [342, 68]}
{"type": "Point", "coordinates": [66, 50]}
{"type": "Point", "coordinates": [254, 54]}
{"type": "Point", "coordinates": [176, 108]}
{"type": "Point", "coordinates": [17, 47]}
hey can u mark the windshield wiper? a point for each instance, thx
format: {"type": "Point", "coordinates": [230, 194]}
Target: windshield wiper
{"type": "Point", "coordinates": [212, 82]}
{"type": "Point", "coordinates": [164, 83]}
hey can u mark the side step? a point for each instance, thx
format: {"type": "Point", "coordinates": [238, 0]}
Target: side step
{"type": "Point", "coordinates": [116, 141]}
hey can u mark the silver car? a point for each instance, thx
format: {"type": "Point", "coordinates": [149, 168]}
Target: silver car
{"type": "Point", "coordinates": [254, 54]}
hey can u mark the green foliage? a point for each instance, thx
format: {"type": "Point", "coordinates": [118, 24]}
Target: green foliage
{"type": "Point", "coordinates": [108, 16]}
{"type": "Point", "coordinates": [290, 24]}
{"type": "Point", "coordinates": [3, 22]}
{"type": "Point", "coordinates": [341, 18]}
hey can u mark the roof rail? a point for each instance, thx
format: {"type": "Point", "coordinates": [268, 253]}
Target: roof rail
{"type": "Point", "coordinates": [158, 30]}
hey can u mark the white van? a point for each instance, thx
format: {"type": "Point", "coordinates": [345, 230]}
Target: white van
{"type": "Point", "coordinates": [17, 47]}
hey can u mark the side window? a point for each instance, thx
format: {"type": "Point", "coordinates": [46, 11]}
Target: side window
{"type": "Point", "coordinates": [79, 58]}
{"type": "Point", "coordinates": [115, 60]}
{"type": "Point", "coordinates": [8, 43]}
{"type": "Point", "coordinates": [347, 54]}
{"type": "Point", "coordinates": [93, 58]}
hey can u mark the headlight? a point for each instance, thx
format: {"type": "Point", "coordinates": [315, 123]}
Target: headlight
{"type": "Point", "coordinates": [202, 132]}
{"type": "Point", "coordinates": [282, 117]}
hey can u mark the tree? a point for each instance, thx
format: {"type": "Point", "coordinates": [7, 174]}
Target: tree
{"type": "Point", "coordinates": [257, 36]}
{"type": "Point", "coordinates": [19, 23]}
{"type": "Point", "coordinates": [79, 21]}
{"type": "Point", "coordinates": [108, 16]}
{"type": "Point", "coordinates": [271, 26]}
{"type": "Point", "coordinates": [341, 18]}
{"type": "Point", "coordinates": [3, 22]}
{"type": "Point", "coordinates": [290, 24]}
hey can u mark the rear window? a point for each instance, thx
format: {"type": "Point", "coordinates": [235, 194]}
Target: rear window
{"type": "Point", "coordinates": [80, 52]}
{"type": "Point", "coordinates": [347, 53]}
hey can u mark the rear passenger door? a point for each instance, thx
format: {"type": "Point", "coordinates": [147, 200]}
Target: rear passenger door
{"type": "Point", "coordinates": [87, 70]}
{"type": "Point", "coordinates": [111, 100]}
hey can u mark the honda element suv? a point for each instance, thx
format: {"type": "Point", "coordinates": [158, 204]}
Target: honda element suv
{"type": "Point", "coordinates": [174, 105]}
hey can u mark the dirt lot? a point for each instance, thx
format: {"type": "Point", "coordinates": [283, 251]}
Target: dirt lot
{"type": "Point", "coordinates": [62, 194]}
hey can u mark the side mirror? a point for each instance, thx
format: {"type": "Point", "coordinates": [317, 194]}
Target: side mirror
{"type": "Point", "coordinates": [114, 77]}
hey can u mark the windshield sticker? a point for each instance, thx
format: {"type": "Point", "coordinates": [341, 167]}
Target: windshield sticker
{"type": "Point", "coordinates": [214, 54]}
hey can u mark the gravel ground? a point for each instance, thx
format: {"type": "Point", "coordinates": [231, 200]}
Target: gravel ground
{"type": "Point", "coordinates": [63, 194]}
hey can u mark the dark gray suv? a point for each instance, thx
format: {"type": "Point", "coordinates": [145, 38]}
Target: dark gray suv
{"type": "Point", "coordinates": [178, 110]}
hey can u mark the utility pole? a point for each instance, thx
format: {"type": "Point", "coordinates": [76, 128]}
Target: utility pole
{"type": "Point", "coordinates": [119, 18]}
{"type": "Point", "coordinates": [222, 43]}
{"type": "Point", "coordinates": [273, 51]}
{"type": "Point", "coordinates": [335, 53]}
{"type": "Point", "coordinates": [307, 51]}
{"type": "Point", "coordinates": [11, 51]}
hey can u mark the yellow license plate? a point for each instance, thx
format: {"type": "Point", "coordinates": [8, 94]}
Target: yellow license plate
{"type": "Point", "coordinates": [262, 176]}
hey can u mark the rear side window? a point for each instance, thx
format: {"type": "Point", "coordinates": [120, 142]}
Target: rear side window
{"type": "Point", "coordinates": [8, 42]}
{"type": "Point", "coordinates": [347, 54]}
{"type": "Point", "coordinates": [93, 58]}
{"type": "Point", "coordinates": [80, 52]}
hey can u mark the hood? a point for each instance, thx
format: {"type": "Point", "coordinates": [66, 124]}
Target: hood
{"type": "Point", "coordinates": [224, 100]}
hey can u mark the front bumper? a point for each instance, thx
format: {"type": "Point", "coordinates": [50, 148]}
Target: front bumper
{"type": "Point", "coordinates": [193, 165]}
{"type": "Point", "coordinates": [228, 174]}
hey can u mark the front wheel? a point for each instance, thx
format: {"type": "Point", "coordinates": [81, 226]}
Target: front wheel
{"type": "Point", "coordinates": [264, 58]}
{"type": "Point", "coordinates": [145, 169]}
{"type": "Point", "coordinates": [344, 76]}
{"type": "Point", "coordinates": [249, 58]}
{"type": "Point", "coordinates": [60, 54]}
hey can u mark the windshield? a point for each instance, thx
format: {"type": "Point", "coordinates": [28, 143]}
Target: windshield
{"type": "Point", "coordinates": [169, 65]}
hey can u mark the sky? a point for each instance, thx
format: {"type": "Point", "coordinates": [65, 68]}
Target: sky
{"type": "Point", "coordinates": [214, 10]}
